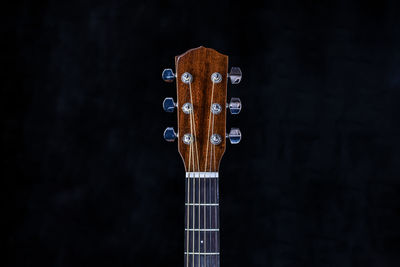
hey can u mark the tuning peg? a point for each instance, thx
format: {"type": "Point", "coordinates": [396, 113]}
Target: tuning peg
{"type": "Point", "coordinates": [168, 75]}
{"type": "Point", "coordinates": [169, 134]}
{"type": "Point", "coordinates": [234, 136]}
{"type": "Point", "coordinates": [235, 75]}
{"type": "Point", "coordinates": [169, 104]}
{"type": "Point", "coordinates": [235, 105]}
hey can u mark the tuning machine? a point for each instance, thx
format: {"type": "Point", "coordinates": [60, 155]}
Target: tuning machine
{"type": "Point", "coordinates": [168, 104]}
{"type": "Point", "coordinates": [234, 136]}
{"type": "Point", "coordinates": [235, 105]}
{"type": "Point", "coordinates": [168, 75]}
{"type": "Point", "coordinates": [170, 134]}
{"type": "Point", "coordinates": [235, 75]}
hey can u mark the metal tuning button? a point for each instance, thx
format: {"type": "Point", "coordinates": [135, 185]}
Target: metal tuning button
{"type": "Point", "coordinates": [168, 104]}
{"type": "Point", "coordinates": [169, 134]}
{"type": "Point", "coordinates": [235, 75]}
{"type": "Point", "coordinates": [234, 136]}
{"type": "Point", "coordinates": [235, 106]}
{"type": "Point", "coordinates": [168, 75]}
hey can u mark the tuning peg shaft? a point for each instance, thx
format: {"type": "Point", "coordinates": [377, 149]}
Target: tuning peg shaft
{"type": "Point", "coordinates": [235, 75]}
{"type": "Point", "coordinates": [169, 134]}
{"type": "Point", "coordinates": [168, 75]}
{"type": "Point", "coordinates": [168, 104]}
{"type": "Point", "coordinates": [234, 136]}
{"type": "Point", "coordinates": [235, 105]}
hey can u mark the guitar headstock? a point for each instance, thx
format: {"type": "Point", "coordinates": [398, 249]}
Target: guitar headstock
{"type": "Point", "coordinates": [201, 81]}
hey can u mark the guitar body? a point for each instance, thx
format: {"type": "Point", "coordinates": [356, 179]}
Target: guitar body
{"type": "Point", "coordinates": [201, 79]}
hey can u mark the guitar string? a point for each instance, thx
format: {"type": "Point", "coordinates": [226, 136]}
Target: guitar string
{"type": "Point", "coordinates": [193, 185]}
{"type": "Point", "coordinates": [194, 127]}
{"type": "Point", "coordinates": [188, 209]}
{"type": "Point", "coordinates": [205, 162]}
{"type": "Point", "coordinates": [213, 146]}
{"type": "Point", "coordinates": [193, 201]}
{"type": "Point", "coordinates": [208, 141]}
{"type": "Point", "coordinates": [216, 208]}
{"type": "Point", "coordinates": [209, 126]}
{"type": "Point", "coordinates": [198, 166]}
{"type": "Point", "coordinates": [191, 159]}
{"type": "Point", "coordinates": [212, 159]}
{"type": "Point", "coordinates": [211, 225]}
{"type": "Point", "coordinates": [193, 182]}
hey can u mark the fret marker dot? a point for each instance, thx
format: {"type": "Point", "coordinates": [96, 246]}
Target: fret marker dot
{"type": "Point", "coordinates": [201, 241]}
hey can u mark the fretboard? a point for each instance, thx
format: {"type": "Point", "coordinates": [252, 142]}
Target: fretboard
{"type": "Point", "coordinates": [201, 220]}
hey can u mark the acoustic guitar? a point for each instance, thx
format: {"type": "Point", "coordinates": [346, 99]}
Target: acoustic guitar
{"type": "Point", "coordinates": [201, 76]}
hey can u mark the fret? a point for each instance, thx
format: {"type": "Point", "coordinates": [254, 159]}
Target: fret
{"type": "Point", "coordinates": [212, 230]}
{"type": "Point", "coordinates": [201, 253]}
{"type": "Point", "coordinates": [201, 204]}
{"type": "Point", "coordinates": [211, 178]}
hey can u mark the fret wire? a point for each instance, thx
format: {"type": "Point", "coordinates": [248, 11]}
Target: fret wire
{"type": "Point", "coordinates": [202, 253]}
{"type": "Point", "coordinates": [212, 230]}
{"type": "Point", "coordinates": [201, 204]}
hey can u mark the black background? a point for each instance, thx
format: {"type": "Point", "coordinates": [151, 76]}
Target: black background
{"type": "Point", "coordinates": [89, 180]}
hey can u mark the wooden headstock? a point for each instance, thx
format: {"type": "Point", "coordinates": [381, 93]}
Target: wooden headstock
{"type": "Point", "coordinates": [201, 81]}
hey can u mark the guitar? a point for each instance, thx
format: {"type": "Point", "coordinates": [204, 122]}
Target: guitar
{"type": "Point", "coordinates": [201, 82]}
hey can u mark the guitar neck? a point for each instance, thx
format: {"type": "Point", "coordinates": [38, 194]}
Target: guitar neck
{"type": "Point", "coordinates": [202, 219]}
{"type": "Point", "coordinates": [201, 85]}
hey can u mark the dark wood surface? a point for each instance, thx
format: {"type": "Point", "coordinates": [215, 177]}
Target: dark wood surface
{"type": "Point", "coordinates": [201, 63]}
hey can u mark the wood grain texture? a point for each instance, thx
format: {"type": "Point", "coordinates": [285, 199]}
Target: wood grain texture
{"type": "Point", "coordinates": [201, 63]}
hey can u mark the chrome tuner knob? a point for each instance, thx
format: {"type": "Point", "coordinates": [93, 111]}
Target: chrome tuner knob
{"type": "Point", "coordinates": [169, 104]}
{"type": "Point", "coordinates": [169, 134]}
{"type": "Point", "coordinates": [235, 106]}
{"type": "Point", "coordinates": [234, 136]}
{"type": "Point", "coordinates": [235, 75]}
{"type": "Point", "coordinates": [168, 75]}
